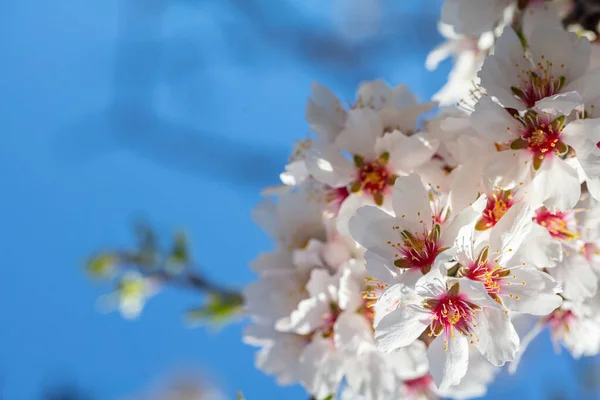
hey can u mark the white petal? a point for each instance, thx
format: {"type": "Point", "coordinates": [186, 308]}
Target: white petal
{"type": "Point", "coordinates": [508, 234]}
{"type": "Point", "coordinates": [411, 203]}
{"type": "Point", "coordinates": [372, 228]}
{"type": "Point", "coordinates": [537, 296]}
{"type": "Point", "coordinates": [321, 367]}
{"type": "Point", "coordinates": [327, 165]}
{"type": "Point", "coordinates": [448, 365]}
{"type": "Point", "coordinates": [433, 283]}
{"type": "Point", "coordinates": [468, 216]}
{"type": "Point", "coordinates": [350, 291]}
{"type": "Point", "coordinates": [405, 119]}
{"type": "Point", "coordinates": [348, 209]}
{"type": "Point", "coordinates": [407, 152]}
{"type": "Point", "coordinates": [497, 340]}
{"type": "Point", "coordinates": [539, 249]}
{"type": "Point", "coordinates": [374, 94]}
{"type": "Point", "coordinates": [393, 297]}
{"type": "Point", "coordinates": [353, 332]}
{"type": "Point", "coordinates": [561, 103]}
{"type": "Point", "coordinates": [583, 135]}
{"type": "Point", "coordinates": [553, 43]}
{"type": "Point", "coordinates": [320, 282]}
{"type": "Point", "coordinates": [493, 122]}
{"type": "Point", "coordinates": [589, 87]}
{"type": "Point", "coordinates": [558, 184]}
{"type": "Point", "coordinates": [401, 327]}
{"type": "Point", "coordinates": [500, 70]}
{"type": "Point", "coordinates": [576, 277]}
{"type": "Point", "coordinates": [380, 268]}
{"type": "Point", "coordinates": [325, 113]}
{"type": "Point", "coordinates": [306, 318]}
{"type": "Point", "coordinates": [508, 169]}
{"type": "Point", "coordinates": [465, 245]}
{"type": "Point", "coordinates": [363, 127]}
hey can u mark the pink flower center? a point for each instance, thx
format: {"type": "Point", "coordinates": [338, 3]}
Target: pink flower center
{"type": "Point", "coordinates": [560, 322]}
{"type": "Point", "coordinates": [328, 321]}
{"type": "Point", "coordinates": [489, 275]}
{"type": "Point", "coordinates": [373, 178]}
{"type": "Point", "coordinates": [557, 224]}
{"type": "Point", "coordinates": [452, 312]}
{"type": "Point", "coordinates": [541, 140]}
{"type": "Point", "coordinates": [334, 197]}
{"type": "Point", "coordinates": [497, 205]}
{"type": "Point", "coordinates": [589, 250]}
{"type": "Point", "coordinates": [419, 385]}
{"type": "Point", "coordinates": [540, 136]}
{"type": "Point", "coordinates": [417, 250]}
{"type": "Point", "coordinates": [538, 84]}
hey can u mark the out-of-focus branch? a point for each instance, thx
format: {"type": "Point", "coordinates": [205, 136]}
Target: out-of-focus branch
{"type": "Point", "coordinates": [143, 270]}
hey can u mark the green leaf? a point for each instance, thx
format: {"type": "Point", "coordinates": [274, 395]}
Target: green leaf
{"type": "Point", "coordinates": [330, 397]}
{"type": "Point", "coordinates": [102, 265]}
{"type": "Point", "coordinates": [218, 309]}
{"type": "Point", "coordinates": [239, 395]}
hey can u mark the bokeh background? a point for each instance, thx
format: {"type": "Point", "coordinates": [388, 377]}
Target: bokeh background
{"type": "Point", "coordinates": [178, 111]}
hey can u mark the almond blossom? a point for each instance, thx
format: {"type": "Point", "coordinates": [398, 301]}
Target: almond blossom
{"type": "Point", "coordinates": [405, 249]}
{"type": "Point", "coordinates": [377, 159]}
{"type": "Point", "coordinates": [462, 313]}
{"type": "Point", "coordinates": [405, 246]}
{"type": "Point", "coordinates": [540, 149]}
{"type": "Point", "coordinates": [544, 77]}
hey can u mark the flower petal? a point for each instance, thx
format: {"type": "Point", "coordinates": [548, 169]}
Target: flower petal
{"type": "Point", "coordinates": [401, 327]}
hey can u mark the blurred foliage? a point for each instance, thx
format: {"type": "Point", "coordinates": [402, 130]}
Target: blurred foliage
{"type": "Point", "coordinates": [217, 310]}
{"type": "Point", "coordinates": [139, 272]}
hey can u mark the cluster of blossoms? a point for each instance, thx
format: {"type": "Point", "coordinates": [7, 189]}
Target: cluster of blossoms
{"type": "Point", "coordinates": [405, 252]}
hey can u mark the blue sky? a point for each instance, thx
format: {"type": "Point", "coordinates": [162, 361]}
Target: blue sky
{"type": "Point", "coordinates": [178, 112]}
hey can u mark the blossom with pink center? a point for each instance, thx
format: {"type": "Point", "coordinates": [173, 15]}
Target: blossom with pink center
{"type": "Point", "coordinates": [575, 232]}
{"type": "Point", "coordinates": [366, 159]}
{"type": "Point", "coordinates": [498, 203]}
{"type": "Point", "coordinates": [495, 262]}
{"type": "Point", "coordinates": [560, 225]}
{"type": "Point", "coordinates": [421, 387]}
{"type": "Point", "coordinates": [450, 314]}
{"type": "Point", "coordinates": [535, 151]}
{"type": "Point", "coordinates": [543, 77]}
{"type": "Point", "coordinates": [407, 245]}
{"type": "Point", "coordinates": [334, 197]}
{"type": "Point", "coordinates": [574, 326]}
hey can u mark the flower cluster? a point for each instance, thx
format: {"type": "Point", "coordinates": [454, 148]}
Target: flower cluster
{"type": "Point", "coordinates": [405, 251]}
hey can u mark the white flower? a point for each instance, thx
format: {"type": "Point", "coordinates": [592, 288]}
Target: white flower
{"type": "Point", "coordinates": [407, 245]}
{"type": "Point", "coordinates": [378, 158]}
{"type": "Point", "coordinates": [480, 374]}
{"type": "Point", "coordinates": [132, 292]}
{"type": "Point", "coordinates": [461, 312]}
{"type": "Point", "coordinates": [519, 287]}
{"type": "Point", "coordinates": [544, 77]}
{"type": "Point", "coordinates": [294, 220]}
{"type": "Point", "coordinates": [575, 326]}
{"type": "Point", "coordinates": [474, 17]}
{"type": "Point", "coordinates": [576, 233]}
{"type": "Point", "coordinates": [535, 150]}
{"type": "Point", "coordinates": [279, 351]}
{"type": "Point", "coordinates": [334, 330]}
{"type": "Point", "coordinates": [468, 53]}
